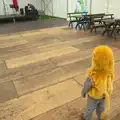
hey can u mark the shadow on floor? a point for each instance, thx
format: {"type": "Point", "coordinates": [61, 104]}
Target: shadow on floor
{"type": "Point", "coordinates": [31, 25]}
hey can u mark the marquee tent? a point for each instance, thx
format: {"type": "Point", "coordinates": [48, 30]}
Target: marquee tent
{"type": "Point", "coordinates": [60, 8]}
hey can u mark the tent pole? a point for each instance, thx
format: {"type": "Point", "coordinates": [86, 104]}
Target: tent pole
{"type": "Point", "coordinates": [108, 2]}
{"type": "Point", "coordinates": [52, 8]}
{"type": "Point", "coordinates": [67, 8]}
{"type": "Point", "coordinates": [4, 7]}
{"type": "Point", "coordinates": [90, 6]}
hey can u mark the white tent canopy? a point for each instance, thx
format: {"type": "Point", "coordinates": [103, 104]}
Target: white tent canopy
{"type": "Point", "coordinates": [106, 6]}
{"type": "Point", "coordinates": [60, 8]}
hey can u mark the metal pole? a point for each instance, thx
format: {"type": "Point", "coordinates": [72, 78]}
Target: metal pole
{"type": "Point", "coordinates": [4, 7]}
{"type": "Point", "coordinates": [52, 8]}
{"type": "Point", "coordinates": [90, 6]}
{"type": "Point", "coordinates": [41, 4]}
{"type": "Point", "coordinates": [44, 6]}
{"type": "Point", "coordinates": [67, 7]}
{"type": "Point", "coordinates": [108, 2]}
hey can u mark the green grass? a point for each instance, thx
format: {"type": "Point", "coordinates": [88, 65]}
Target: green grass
{"type": "Point", "coordinates": [46, 17]}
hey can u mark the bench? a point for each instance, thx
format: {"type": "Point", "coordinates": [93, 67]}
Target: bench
{"type": "Point", "coordinates": [98, 18]}
{"type": "Point", "coordinates": [72, 17]}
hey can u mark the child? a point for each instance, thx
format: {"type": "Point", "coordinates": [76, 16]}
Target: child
{"type": "Point", "coordinates": [98, 85]}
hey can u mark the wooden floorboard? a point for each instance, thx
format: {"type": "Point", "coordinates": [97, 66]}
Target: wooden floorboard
{"type": "Point", "coordinates": [39, 81]}
{"type": "Point", "coordinates": [24, 71]}
{"type": "Point", "coordinates": [42, 73]}
{"type": "Point", "coordinates": [33, 58]}
{"type": "Point", "coordinates": [71, 57]}
{"type": "Point", "coordinates": [7, 91]}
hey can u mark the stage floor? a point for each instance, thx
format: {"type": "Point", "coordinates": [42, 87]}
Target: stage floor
{"type": "Point", "coordinates": [30, 25]}
{"type": "Point", "coordinates": [10, 16]}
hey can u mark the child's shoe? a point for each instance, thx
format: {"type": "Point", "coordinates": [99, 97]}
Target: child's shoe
{"type": "Point", "coordinates": [82, 116]}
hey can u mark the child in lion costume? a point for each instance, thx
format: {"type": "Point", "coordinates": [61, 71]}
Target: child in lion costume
{"type": "Point", "coordinates": [98, 85]}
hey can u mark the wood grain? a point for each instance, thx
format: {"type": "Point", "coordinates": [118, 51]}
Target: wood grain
{"type": "Point", "coordinates": [46, 69]}
{"type": "Point", "coordinates": [7, 91]}
{"type": "Point", "coordinates": [71, 57]}
{"type": "Point", "coordinates": [25, 60]}
{"type": "Point", "coordinates": [29, 70]}
{"type": "Point", "coordinates": [38, 81]}
{"type": "Point", "coordinates": [41, 101]}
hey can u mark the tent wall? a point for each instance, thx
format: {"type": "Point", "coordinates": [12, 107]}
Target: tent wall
{"type": "Point", "coordinates": [47, 7]}
{"type": "Point", "coordinates": [1, 8]}
{"type": "Point", "coordinates": [8, 9]}
{"type": "Point", "coordinates": [71, 5]}
{"type": "Point", "coordinates": [114, 7]}
{"type": "Point", "coordinates": [106, 6]}
{"type": "Point", "coordinates": [60, 8]}
{"type": "Point", "coordinates": [56, 8]}
{"type": "Point", "coordinates": [99, 6]}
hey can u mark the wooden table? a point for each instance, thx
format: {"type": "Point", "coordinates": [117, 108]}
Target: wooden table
{"type": "Point", "coordinates": [72, 17]}
{"type": "Point", "coordinates": [87, 20]}
{"type": "Point", "coordinates": [109, 15]}
{"type": "Point", "coordinates": [111, 25]}
{"type": "Point", "coordinates": [107, 23]}
{"type": "Point", "coordinates": [82, 20]}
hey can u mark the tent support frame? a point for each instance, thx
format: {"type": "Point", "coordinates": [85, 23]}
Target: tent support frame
{"type": "Point", "coordinates": [46, 6]}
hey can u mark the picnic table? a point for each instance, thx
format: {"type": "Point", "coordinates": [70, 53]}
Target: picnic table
{"type": "Point", "coordinates": [108, 24]}
{"type": "Point", "coordinates": [96, 21]}
{"type": "Point", "coordinates": [87, 20]}
{"type": "Point", "coordinates": [109, 16]}
{"type": "Point", "coordinates": [72, 17]}
{"type": "Point", "coordinates": [80, 21]}
{"type": "Point", "coordinates": [111, 25]}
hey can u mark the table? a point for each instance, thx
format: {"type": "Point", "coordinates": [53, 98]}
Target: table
{"type": "Point", "coordinates": [72, 17]}
{"type": "Point", "coordinates": [107, 23]}
{"type": "Point", "coordinates": [109, 15]}
{"type": "Point", "coordinates": [83, 20]}
{"type": "Point", "coordinates": [111, 25]}
{"type": "Point", "coordinates": [89, 19]}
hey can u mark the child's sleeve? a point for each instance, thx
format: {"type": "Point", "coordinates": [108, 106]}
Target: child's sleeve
{"type": "Point", "coordinates": [87, 86]}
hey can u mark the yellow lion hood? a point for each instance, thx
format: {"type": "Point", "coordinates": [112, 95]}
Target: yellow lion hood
{"type": "Point", "coordinates": [102, 62]}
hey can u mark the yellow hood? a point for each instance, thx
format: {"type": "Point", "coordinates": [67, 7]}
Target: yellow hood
{"type": "Point", "coordinates": [101, 73]}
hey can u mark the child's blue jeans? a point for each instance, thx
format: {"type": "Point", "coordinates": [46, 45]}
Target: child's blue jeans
{"type": "Point", "coordinates": [92, 105]}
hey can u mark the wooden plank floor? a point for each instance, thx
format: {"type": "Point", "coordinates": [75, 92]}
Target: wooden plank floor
{"type": "Point", "coordinates": [42, 73]}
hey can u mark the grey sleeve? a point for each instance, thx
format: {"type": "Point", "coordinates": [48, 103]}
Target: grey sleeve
{"type": "Point", "coordinates": [87, 86]}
